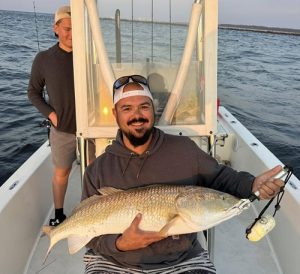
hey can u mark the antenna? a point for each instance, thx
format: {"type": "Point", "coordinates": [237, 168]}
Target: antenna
{"type": "Point", "coordinates": [36, 26]}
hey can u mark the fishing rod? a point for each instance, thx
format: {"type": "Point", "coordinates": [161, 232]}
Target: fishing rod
{"type": "Point", "coordinates": [263, 224]}
{"type": "Point", "coordinates": [45, 123]}
{"type": "Point", "coordinates": [36, 25]}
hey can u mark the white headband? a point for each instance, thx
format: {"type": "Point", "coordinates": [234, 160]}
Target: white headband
{"type": "Point", "coordinates": [119, 94]}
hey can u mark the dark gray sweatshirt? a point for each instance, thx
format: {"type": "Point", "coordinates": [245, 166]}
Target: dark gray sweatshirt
{"type": "Point", "coordinates": [53, 68]}
{"type": "Point", "coordinates": [169, 160]}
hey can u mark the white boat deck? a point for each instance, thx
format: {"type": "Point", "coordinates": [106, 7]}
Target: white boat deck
{"type": "Point", "coordinates": [59, 260]}
{"type": "Point", "coordinates": [234, 254]}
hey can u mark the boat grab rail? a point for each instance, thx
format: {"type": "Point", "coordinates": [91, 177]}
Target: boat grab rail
{"type": "Point", "coordinates": [175, 95]}
{"type": "Point", "coordinates": [105, 66]}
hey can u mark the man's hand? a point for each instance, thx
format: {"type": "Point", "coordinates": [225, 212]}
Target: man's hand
{"type": "Point", "coordinates": [53, 118]}
{"type": "Point", "coordinates": [267, 186]}
{"type": "Point", "coordinates": [134, 238]}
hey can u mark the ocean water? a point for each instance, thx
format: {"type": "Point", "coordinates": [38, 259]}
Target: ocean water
{"type": "Point", "coordinates": [258, 81]}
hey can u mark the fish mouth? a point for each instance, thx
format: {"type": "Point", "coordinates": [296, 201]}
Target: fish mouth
{"type": "Point", "coordinates": [240, 206]}
{"type": "Point", "coordinates": [229, 213]}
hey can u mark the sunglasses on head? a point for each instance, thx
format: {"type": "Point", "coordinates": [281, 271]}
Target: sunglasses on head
{"type": "Point", "coordinates": [125, 80]}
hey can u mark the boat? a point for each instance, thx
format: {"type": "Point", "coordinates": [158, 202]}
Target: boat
{"type": "Point", "coordinates": [185, 96]}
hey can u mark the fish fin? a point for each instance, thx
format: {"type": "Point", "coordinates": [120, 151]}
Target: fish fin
{"type": "Point", "coordinates": [75, 242]}
{"type": "Point", "coordinates": [109, 190]}
{"type": "Point", "coordinates": [177, 226]}
{"type": "Point", "coordinates": [85, 202]}
{"type": "Point", "coordinates": [165, 230]}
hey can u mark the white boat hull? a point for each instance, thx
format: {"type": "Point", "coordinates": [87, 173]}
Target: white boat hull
{"type": "Point", "coordinates": [23, 209]}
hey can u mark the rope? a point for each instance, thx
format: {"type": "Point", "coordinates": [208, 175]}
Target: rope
{"type": "Point", "coordinates": [279, 198]}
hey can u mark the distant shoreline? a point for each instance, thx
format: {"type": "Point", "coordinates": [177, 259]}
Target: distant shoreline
{"type": "Point", "coordinates": [274, 30]}
{"type": "Point", "coordinates": [253, 28]}
{"type": "Point", "coordinates": [260, 29]}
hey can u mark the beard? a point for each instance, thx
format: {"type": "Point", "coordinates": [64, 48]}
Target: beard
{"type": "Point", "coordinates": [138, 140]}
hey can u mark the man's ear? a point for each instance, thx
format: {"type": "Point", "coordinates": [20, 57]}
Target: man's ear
{"type": "Point", "coordinates": [55, 29]}
{"type": "Point", "coordinates": [114, 112]}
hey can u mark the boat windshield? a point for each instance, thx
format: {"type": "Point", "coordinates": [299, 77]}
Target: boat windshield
{"type": "Point", "coordinates": [154, 39]}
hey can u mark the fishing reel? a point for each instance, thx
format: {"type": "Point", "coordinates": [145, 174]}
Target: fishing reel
{"type": "Point", "coordinates": [262, 225]}
{"type": "Point", "coordinates": [46, 123]}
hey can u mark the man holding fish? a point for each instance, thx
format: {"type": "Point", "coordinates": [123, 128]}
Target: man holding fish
{"type": "Point", "coordinates": [143, 155]}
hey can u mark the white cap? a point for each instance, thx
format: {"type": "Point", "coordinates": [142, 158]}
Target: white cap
{"type": "Point", "coordinates": [119, 94]}
{"type": "Point", "coordinates": [61, 13]}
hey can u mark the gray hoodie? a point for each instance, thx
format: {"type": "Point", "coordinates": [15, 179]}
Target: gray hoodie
{"type": "Point", "coordinates": [169, 160]}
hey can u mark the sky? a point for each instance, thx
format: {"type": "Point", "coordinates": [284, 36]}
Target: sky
{"type": "Point", "coordinates": [271, 13]}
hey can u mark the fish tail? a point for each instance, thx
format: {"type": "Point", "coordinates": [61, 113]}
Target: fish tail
{"type": "Point", "coordinates": [47, 230]}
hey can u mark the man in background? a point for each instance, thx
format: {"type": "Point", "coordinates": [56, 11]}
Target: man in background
{"type": "Point", "coordinates": [53, 68]}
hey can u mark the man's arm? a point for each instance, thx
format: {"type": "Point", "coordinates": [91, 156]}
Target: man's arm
{"type": "Point", "coordinates": [134, 238]}
{"type": "Point", "coordinates": [211, 174]}
{"type": "Point", "coordinates": [36, 86]}
{"type": "Point", "coordinates": [240, 184]}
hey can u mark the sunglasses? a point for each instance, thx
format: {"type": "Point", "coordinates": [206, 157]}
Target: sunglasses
{"type": "Point", "coordinates": [125, 80]}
